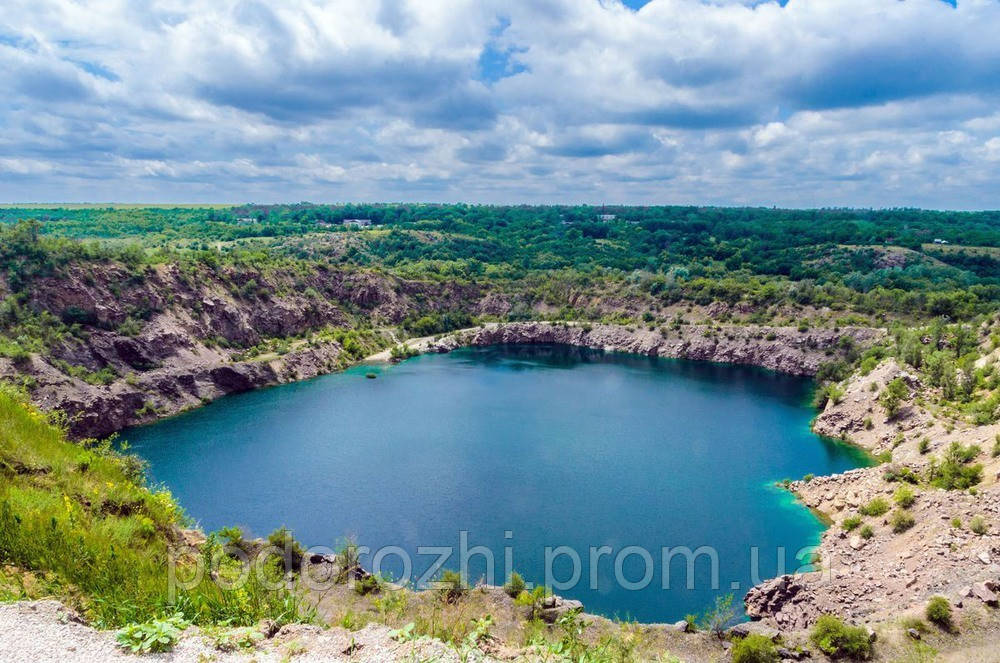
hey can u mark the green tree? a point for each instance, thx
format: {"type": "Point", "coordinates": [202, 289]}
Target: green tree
{"type": "Point", "coordinates": [892, 397]}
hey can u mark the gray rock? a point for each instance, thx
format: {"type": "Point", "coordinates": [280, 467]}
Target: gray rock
{"type": "Point", "coordinates": [555, 607]}
{"type": "Point", "coordinates": [984, 594]}
{"type": "Point", "coordinates": [682, 626]}
{"type": "Point", "coordinates": [913, 633]}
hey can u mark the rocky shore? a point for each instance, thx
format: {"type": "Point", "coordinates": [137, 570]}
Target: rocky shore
{"type": "Point", "coordinates": [951, 548]}
{"type": "Point", "coordinates": [781, 349]}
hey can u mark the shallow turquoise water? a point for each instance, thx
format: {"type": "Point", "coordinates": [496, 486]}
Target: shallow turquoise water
{"type": "Point", "coordinates": [522, 447]}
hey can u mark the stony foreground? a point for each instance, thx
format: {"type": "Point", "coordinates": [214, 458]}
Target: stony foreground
{"type": "Point", "coordinates": [43, 631]}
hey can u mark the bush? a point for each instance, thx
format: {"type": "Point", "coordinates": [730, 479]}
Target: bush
{"type": "Point", "coordinates": [755, 648]}
{"type": "Point", "coordinates": [291, 549]}
{"type": "Point", "coordinates": [953, 471]}
{"type": "Point", "coordinates": [892, 397]}
{"type": "Point", "coordinates": [901, 521]}
{"type": "Point", "coordinates": [924, 445]}
{"type": "Point", "coordinates": [532, 600]}
{"type": "Point", "coordinates": [900, 473]}
{"type": "Point", "coordinates": [904, 496]}
{"type": "Point", "coordinates": [867, 532]}
{"type": "Point", "coordinates": [877, 507]}
{"type": "Point", "coordinates": [515, 585]}
{"type": "Point", "coordinates": [837, 639]}
{"type": "Point", "coordinates": [717, 618]}
{"type": "Point", "coordinates": [978, 525]}
{"type": "Point", "coordinates": [451, 586]}
{"type": "Point", "coordinates": [939, 612]}
{"type": "Point", "coordinates": [851, 523]}
{"type": "Point", "coordinates": [368, 584]}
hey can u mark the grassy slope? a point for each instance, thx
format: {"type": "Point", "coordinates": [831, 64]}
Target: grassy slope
{"type": "Point", "coordinates": [77, 521]}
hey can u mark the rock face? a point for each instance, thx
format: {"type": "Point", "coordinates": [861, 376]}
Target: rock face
{"type": "Point", "coordinates": [171, 338]}
{"type": "Point", "coordinates": [778, 348]}
{"type": "Point", "coordinates": [784, 599]}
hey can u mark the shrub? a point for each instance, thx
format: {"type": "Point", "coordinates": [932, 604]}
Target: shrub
{"type": "Point", "coordinates": [868, 423]}
{"type": "Point", "coordinates": [532, 600]}
{"type": "Point", "coordinates": [156, 635]}
{"type": "Point", "coordinates": [867, 532]}
{"type": "Point", "coordinates": [291, 549]}
{"type": "Point", "coordinates": [953, 471]}
{"type": "Point", "coordinates": [368, 584]}
{"type": "Point", "coordinates": [900, 473]}
{"type": "Point", "coordinates": [892, 397]}
{"type": "Point", "coordinates": [130, 327]}
{"type": "Point", "coordinates": [717, 618]}
{"type": "Point", "coordinates": [901, 521]}
{"type": "Point", "coordinates": [956, 523]}
{"type": "Point", "coordinates": [904, 496]}
{"type": "Point", "coordinates": [851, 523]}
{"type": "Point", "coordinates": [837, 639]}
{"type": "Point", "coordinates": [755, 648]}
{"type": "Point", "coordinates": [924, 445]}
{"type": "Point", "coordinates": [939, 612]}
{"type": "Point", "coordinates": [978, 525]}
{"type": "Point", "coordinates": [877, 507]}
{"type": "Point", "coordinates": [451, 586]}
{"type": "Point", "coordinates": [514, 586]}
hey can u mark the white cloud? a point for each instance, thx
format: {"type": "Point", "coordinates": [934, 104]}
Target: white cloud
{"type": "Point", "coordinates": [861, 102]}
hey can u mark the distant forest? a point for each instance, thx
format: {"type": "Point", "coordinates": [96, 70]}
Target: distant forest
{"type": "Point", "coordinates": [904, 260]}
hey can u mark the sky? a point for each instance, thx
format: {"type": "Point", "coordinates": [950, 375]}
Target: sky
{"type": "Point", "coordinates": [800, 103]}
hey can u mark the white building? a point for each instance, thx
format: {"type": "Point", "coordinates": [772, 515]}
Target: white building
{"type": "Point", "coordinates": [357, 223]}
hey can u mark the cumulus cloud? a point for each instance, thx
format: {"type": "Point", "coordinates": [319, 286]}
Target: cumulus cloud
{"type": "Point", "coordinates": [804, 102]}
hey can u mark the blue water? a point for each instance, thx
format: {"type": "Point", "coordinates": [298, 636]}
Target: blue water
{"type": "Point", "coordinates": [522, 447]}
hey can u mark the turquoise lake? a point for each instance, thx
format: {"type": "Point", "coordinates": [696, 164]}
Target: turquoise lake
{"type": "Point", "coordinates": [522, 447]}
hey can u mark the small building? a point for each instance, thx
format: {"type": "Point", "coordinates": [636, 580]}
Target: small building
{"type": "Point", "coordinates": [940, 241]}
{"type": "Point", "coordinates": [607, 217]}
{"type": "Point", "coordinates": [357, 223]}
{"type": "Point", "coordinates": [243, 220]}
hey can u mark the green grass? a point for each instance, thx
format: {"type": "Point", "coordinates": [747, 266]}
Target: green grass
{"type": "Point", "coordinates": [80, 516]}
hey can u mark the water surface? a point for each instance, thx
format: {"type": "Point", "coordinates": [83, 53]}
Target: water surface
{"type": "Point", "coordinates": [524, 447]}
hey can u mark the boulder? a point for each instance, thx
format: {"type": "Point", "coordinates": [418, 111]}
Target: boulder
{"type": "Point", "coordinates": [984, 594]}
{"type": "Point", "coordinates": [555, 607]}
{"type": "Point", "coordinates": [682, 626]}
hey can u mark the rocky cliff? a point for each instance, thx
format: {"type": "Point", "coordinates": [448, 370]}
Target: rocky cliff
{"type": "Point", "coordinates": [146, 344]}
{"type": "Point", "coordinates": [778, 348]}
